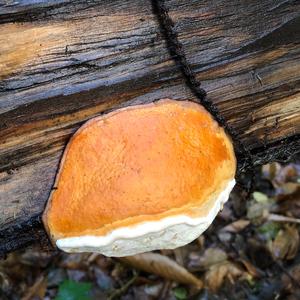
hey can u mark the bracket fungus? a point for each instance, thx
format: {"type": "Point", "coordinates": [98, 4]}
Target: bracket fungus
{"type": "Point", "coordinates": [141, 178]}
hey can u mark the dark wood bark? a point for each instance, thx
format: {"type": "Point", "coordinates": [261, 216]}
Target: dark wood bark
{"type": "Point", "coordinates": [63, 63]}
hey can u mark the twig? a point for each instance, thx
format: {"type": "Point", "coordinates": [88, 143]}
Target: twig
{"type": "Point", "coordinates": [117, 293]}
{"type": "Point", "coordinates": [32, 290]}
{"type": "Point", "coordinates": [165, 290]}
{"type": "Point", "coordinates": [280, 218]}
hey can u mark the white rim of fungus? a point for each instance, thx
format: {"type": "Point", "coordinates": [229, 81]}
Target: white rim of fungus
{"type": "Point", "coordinates": [130, 232]}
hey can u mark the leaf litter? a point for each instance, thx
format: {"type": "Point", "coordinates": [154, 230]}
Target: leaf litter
{"type": "Point", "coordinates": [251, 251]}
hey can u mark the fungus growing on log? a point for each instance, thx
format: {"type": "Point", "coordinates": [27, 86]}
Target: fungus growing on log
{"type": "Point", "coordinates": [141, 178]}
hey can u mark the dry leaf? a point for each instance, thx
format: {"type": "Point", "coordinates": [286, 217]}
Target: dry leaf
{"type": "Point", "coordinates": [236, 226]}
{"type": "Point", "coordinates": [162, 266]}
{"type": "Point", "coordinates": [279, 174]}
{"type": "Point", "coordinates": [218, 273]}
{"type": "Point", "coordinates": [289, 173]}
{"type": "Point", "coordinates": [178, 252]}
{"type": "Point", "coordinates": [252, 270]}
{"type": "Point", "coordinates": [289, 204]}
{"type": "Point", "coordinates": [271, 170]}
{"type": "Point", "coordinates": [210, 257]}
{"type": "Point", "coordinates": [286, 243]}
{"type": "Point", "coordinates": [201, 242]}
{"type": "Point", "coordinates": [287, 189]}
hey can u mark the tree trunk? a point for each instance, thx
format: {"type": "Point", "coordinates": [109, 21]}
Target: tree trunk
{"type": "Point", "coordinates": [64, 62]}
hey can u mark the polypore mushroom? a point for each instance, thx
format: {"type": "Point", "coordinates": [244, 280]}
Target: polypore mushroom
{"type": "Point", "coordinates": [141, 178]}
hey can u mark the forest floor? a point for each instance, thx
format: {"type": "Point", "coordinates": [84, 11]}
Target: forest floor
{"type": "Point", "coordinates": [251, 251]}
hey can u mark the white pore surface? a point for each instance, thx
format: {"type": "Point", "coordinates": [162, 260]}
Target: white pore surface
{"type": "Point", "coordinates": [168, 233]}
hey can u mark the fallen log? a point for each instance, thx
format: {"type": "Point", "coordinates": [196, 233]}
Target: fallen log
{"type": "Point", "coordinates": [62, 63]}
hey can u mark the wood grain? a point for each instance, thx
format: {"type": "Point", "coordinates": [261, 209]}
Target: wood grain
{"type": "Point", "coordinates": [63, 62]}
{"type": "Point", "coordinates": [247, 55]}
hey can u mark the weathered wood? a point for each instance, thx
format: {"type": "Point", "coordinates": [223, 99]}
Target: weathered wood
{"type": "Point", "coordinates": [247, 54]}
{"type": "Point", "coordinates": [64, 62]}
